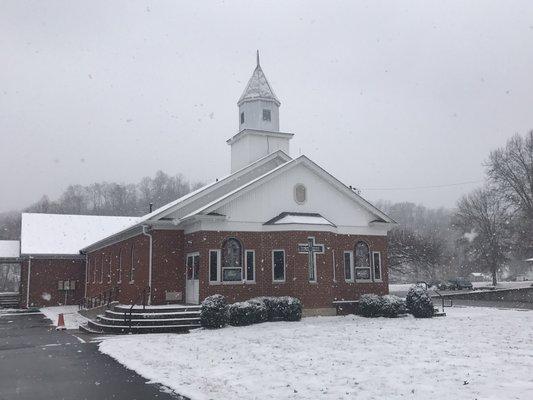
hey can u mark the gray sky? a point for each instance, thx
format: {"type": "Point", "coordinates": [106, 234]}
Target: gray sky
{"type": "Point", "coordinates": [382, 94]}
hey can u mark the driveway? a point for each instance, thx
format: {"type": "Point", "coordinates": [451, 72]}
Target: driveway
{"type": "Point", "coordinates": [38, 362]}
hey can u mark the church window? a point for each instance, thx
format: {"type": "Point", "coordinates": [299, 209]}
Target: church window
{"type": "Point", "coordinates": [362, 262]}
{"type": "Point", "coordinates": [300, 193]}
{"type": "Point", "coordinates": [348, 266]}
{"type": "Point", "coordinates": [376, 258]}
{"type": "Point", "coordinates": [266, 115]}
{"type": "Point", "coordinates": [109, 270]}
{"type": "Point", "coordinates": [119, 273]}
{"type": "Point", "coordinates": [232, 260]}
{"type": "Point", "coordinates": [214, 265]}
{"type": "Point", "coordinates": [278, 265]}
{"type": "Point", "coordinates": [94, 270]}
{"type": "Point", "coordinates": [88, 272]}
{"type": "Point", "coordinates": [250, 265]}
{"type": "Point", "coordinates": [242, 117]}
{"type": "Point", "coordinates": [132, 269]}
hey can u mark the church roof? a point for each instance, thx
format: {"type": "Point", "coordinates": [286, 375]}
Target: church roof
{"type": "Point", "coordinates": [299, 218]}
{"type": "Point", "coordinates": [9, 248]}
{"type": "Point", "coordinates": [59, 234]}
{"type": "Point", "coordinates": [258, 87]}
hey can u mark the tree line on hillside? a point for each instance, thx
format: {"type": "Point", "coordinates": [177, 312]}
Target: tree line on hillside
{"type": "Point", "coordinates": [491, 229]}
{"type": "Point", "coordinates": [105, 199]}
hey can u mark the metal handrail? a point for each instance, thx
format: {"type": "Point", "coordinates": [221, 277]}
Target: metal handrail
{"type": "Point", "coordinates": [443, 299]}
{"type": "Point", "coordinates": [128, 313]}
{"type": "Point", "coordinates": [104, 297]}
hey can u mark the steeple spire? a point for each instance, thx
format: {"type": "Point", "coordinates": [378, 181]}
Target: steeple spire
{"type": "Point", "coordinates": [258, 65]}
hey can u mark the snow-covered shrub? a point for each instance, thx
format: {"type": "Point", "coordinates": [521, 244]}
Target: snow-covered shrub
{"type": "Point", "coordinates": [392, 306]}
{"type": "Point", "coordinates": [214, 312]}
{"type": "Point", "coordinates": [289, 308]}
{"type": "Point", "coordinates": [419, 303]}
{"type": "Point", "coordinates": [246, 313]}
{"type": "Point", "coordinates": [370, 305]}
{"type": "Point", "coordinates": [281, 308]}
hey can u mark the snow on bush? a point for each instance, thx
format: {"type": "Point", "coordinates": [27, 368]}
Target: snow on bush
{"type": "Point", "coordinates": [392, 306]}
{"type": "Point", "coordinates": [369, 305]}
{"type": "Point", "coordinates": [372, 305]}
{"type": "Point", "coordinates": [246, 313]}
{"type": "Point", "coordinates": [284, 308]}
{"type": "Point", "coordinates": [214, 313]}
{"type": "Point", "coordinates": [419, 303]}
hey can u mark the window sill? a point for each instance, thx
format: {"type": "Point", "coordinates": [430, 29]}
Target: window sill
{"type": "Point", "coordinates": [131, 282]}
{"type": "Point", "coordinates": [277, 282]}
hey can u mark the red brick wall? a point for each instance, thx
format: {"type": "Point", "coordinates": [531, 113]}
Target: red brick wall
{"type": "Point", "coordinates": [313, 295]}
{"type": "Point", "coordinates": [44, 278]}
{"type": "Point", "coordinates": [167, 261]}
{"type": "Point", "coordinates": [170, 249]}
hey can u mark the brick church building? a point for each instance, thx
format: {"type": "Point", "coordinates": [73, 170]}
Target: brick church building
{"type": "Point", "coordinates": [275, 225]}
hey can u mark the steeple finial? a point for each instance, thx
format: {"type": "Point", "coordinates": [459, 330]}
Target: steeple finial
{"type": "Point", "coordinates": [258, 58]}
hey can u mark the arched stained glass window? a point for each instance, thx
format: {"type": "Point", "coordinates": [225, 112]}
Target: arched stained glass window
{"type": "Point", "coordinates": [232, 260]}
{"type": "Point", "coordinates": [362, 261]}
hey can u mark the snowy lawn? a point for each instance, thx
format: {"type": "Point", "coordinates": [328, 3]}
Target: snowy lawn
{"type": "Point", "coordinates": [473, 353]}
{"type": "Point", "coordinates": [70, 313]}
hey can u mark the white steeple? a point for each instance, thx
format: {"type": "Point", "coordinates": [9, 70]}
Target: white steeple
{"type": "Point", "coordinates": [259, 133]}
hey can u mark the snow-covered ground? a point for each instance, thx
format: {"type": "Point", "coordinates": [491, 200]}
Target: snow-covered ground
{"type": "Point", "coordinates": [472, 353]}
{"type": "Point", "coordinates": [70, 313]}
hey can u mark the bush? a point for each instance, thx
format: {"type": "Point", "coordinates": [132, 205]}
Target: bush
{"type": "Point", "coordinates": [370, 305]}
{"type": "Point", "coordinates": [284, 308]}
{"type": "Point", "coordinates": [419, 303]}
{"type": "Point", "coordinates": [214, 312]}
{"type": "Point", "coordinates": [392, 306]}
{"type": "Point", "coordinates": [246, 313]}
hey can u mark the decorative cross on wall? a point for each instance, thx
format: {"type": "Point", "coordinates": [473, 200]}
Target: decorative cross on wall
{"type": "Point", "coordinates": [312, 249]}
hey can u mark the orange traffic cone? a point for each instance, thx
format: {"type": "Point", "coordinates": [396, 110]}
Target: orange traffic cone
{"type": "Point", "coordinates": [61, 323]}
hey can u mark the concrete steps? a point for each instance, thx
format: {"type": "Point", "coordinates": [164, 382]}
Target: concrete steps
{"type": "Point", "coordinates": [152, 319]}
{"type": "Point", "coordinates": [9, 300]}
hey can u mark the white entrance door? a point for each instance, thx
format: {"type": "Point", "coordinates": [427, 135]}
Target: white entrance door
{"type": "Point", "coordinates": [192, 279]}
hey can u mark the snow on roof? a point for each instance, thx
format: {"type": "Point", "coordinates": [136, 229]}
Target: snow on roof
{"type": "Point", "coordinates": [530, 259]}
{"type": "Point", "coordinates": [9, 248]}
{"type": "Point", "coordinates": [258, 87]}
{"type": "Point", "coordinates": [67, 234]}
{"type": "Point", "coordinates": [299, 218]}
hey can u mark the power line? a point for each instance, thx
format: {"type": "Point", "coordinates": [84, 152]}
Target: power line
{"type": "Point", "coordinates": [425, 187]}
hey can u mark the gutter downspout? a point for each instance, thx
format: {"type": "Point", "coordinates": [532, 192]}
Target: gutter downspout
{"type": "Point", "coordinates": [28, 283]}
{"type": "Point", "coordinates": [145, 233]}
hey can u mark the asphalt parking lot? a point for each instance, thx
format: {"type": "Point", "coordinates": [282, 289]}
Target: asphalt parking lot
{"type": "Point", "coordinates": [38, 362]}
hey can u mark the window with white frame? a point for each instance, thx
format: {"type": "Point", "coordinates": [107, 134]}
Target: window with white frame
{"type": "Point", "coordinates": [119, 273]}
{"type": "Point", "coordinates": [109, 270]}
{"type": "Point", "coordinates": [232, 256]}
{"type": "Point", "coordinates": [102, 270]}
{"type": "Point", "coordinates": [376, 259]}
{"type": "Point", "coordinates": [278, 265]}
{"type": "Point", "coordinates": [88, 272]}
{"type": "Point", "coordinates": [214, 265]}
{"type": "Point", "coordinates": [250, 265]}
{"type": "Point", "coordinates": [362, 270]}
{"type": "Point", "coordinates": [94, 270]}
{"type": "Point", "coordinates": [132, 269]}
{"type": "Point", "coordinates": [348, 266]}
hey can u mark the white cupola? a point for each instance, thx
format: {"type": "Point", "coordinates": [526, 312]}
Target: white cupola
{"type": "Point", "coordinates": [259, 133]}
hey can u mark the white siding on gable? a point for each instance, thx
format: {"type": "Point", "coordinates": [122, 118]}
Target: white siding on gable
{"type": "Point", "coordinates": [232, 185]}
{"type": "Point", "coordinates": [277, 195]}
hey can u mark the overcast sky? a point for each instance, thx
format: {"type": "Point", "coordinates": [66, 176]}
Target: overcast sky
{"type": "Point", "coordinates": [382, 94]}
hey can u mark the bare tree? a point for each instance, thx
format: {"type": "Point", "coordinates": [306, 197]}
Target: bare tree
{"type": "Point", "coordinates": [510, 171]}
{"type": "Point", "coordinates": [484, 217]}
